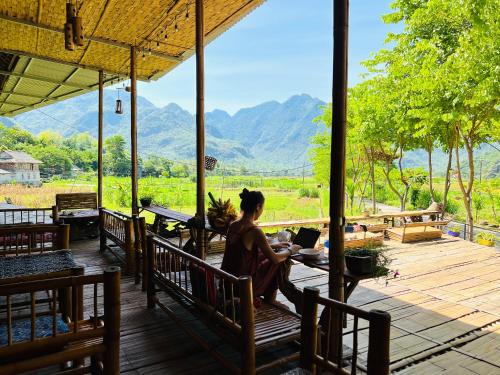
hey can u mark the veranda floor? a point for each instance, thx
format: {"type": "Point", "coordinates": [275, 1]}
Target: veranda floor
{"type": "Point", "coordinates": [445, 308]}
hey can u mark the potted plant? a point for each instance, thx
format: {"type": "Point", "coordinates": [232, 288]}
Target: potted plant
{"type": "Point", "coordinates": [454, 231]}
{"type": "Point", "coordinates": [368, 260]}
{"type": "Point", "coordinates": [486, 239]}
{"type": "Point", "coordinates": [220, 213]}
{"type": "Point", "coordinates": [146, 201]}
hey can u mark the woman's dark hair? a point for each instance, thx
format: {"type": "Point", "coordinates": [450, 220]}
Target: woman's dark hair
{"type": "Point", "coordinates": [250, 200]}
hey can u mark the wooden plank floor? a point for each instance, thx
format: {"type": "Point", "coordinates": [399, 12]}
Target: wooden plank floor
{"type": "Point", "coordinates": [445, 309]}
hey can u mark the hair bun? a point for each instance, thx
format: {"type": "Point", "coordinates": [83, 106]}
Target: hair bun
{"type": "Point", "coordinates": [244, 193]}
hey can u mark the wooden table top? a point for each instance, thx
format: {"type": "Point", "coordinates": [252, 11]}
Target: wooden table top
{"type": "Point", "coordinates": [83, 214]}
{"type": "Point", "coordinates": [326, 267]}
{"type": "Point", "coordinates": [167, 213]}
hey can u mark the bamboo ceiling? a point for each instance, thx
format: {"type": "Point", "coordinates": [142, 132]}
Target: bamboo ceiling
{"type": "Point", "coordinates": [33, 29]}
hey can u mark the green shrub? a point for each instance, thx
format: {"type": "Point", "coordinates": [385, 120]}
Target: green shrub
{"type": "Point", "coordinates": [424, 199]}
{"type": "Point", "coordinates": [451, 207]}
{"type": "Point", "coordinates": [304, 192]}
{"type": "Point", "coordinates": [314, 193]}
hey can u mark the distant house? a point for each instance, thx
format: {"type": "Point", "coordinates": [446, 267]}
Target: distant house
{"type": "Point", "coordinates": [19, 167]}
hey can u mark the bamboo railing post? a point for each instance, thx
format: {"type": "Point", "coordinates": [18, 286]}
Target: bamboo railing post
{"type": "Point", "coordinates": [247, 326]}
{"type": "Point", "coordinates": [100, 139]}
{"type": "Point", "coordinates": [337, 166]}
{"type": "Point", "coordinates": [309, 328]}
{"type": "Point", "coordinates": [200, 129]}
{"type": "Point", "coordinates": [55, 215]}
{"type": "Point", "coordinates": [151, 292]}
{"type": "Point", "coordinates": [102, 236]}
{"type": "Point", "coordinates": [133, 127]}
{"type": "Point", "coordinates": [143, 244]}
{"type": "Point", "coordinates": [63, 236]}
{"type": "Point", "coordinates": [129, 247]}
{"type": "Point", "coordinates": [379, 342]}
{"type": "Point", "coordinates": [111, 339]}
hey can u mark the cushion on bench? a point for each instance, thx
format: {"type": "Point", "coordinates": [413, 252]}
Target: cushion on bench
{"type": "Point", "coordinates": [21, 329]}
{"type": "Point", "coordinates": [36, 264]}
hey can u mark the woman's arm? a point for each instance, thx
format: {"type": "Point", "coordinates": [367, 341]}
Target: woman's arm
{"type": "Point", "coordinates": [261, 241]}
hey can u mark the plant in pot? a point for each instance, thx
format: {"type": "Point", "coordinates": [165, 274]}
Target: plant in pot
{"type": "Point", "coordinates": [371, 259]}
{"type": "Point", "coordinates": [146, 201]}
{"type": "Point", "coordinates": [454, 231]}
{"type": "Point", "coordinates": [486, 239]}
{"type": "Point", "coordinates": [220, 213]}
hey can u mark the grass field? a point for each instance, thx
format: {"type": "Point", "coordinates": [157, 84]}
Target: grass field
{"type": "Point", "coordinates": [286, 197]}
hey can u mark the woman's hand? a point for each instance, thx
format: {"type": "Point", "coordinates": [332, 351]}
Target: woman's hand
{"type": "Point", "coordinates": [295, 248]}
{"type": "Point", "coordinates": [280, 245]}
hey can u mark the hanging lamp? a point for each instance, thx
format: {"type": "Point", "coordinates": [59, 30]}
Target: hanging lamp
{"type": "Point", "coordinates": [210, 163]}
{"type": "Point", "coordinates": [119, 104]}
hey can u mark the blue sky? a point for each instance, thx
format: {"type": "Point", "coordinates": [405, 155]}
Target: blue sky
{"type": "Point", "coordinates": [281, 49]}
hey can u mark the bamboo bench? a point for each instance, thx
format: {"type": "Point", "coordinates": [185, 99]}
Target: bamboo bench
{"type": "Point", "coordinates": [79, 209]}
{"type": "Point", "coordinates": [118, 228]}
{"type": "Point", "coordinates": [420, 231]}
{"type": "Point", "coordinates": [10, 216]}
{"type": "Point", "coordinates": [223, 302]}
{"type": "Point", "coordinates": [40, 336]}
{"type": "Point", "coordinates": [318, 352]}
{"type": "Point", "coordinates": [33, 238]}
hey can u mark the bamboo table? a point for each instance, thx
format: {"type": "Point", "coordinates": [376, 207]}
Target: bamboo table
{"type": "Point", "coordinates": [83, 224]}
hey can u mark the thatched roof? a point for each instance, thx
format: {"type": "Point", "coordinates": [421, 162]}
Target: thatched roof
{"type": "Point", "coordinates": [34, 29]}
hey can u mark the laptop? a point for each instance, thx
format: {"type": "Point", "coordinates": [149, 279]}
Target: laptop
{"type": "Point", "coordinates": [306, 238]}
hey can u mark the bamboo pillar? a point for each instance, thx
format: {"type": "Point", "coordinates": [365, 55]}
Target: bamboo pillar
{"type": "Point", "coordinates": [200, 129]}
{"type": "Point", "coordinates": [133, 126]}
{"type": "Point", "coordinates": [337, 167]}
{"type": "Point", "coordinates": [100, 139]}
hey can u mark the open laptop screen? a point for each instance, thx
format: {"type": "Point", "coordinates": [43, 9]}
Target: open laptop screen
{"type": "Point", "coordinates": [306, 237]}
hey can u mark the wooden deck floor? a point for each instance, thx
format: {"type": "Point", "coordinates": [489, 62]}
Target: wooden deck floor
{"type": "Point", "coordinates": [445, 308]}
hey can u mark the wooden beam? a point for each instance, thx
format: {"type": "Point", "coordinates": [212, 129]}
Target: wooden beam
{"type": "Point", "coordinates": [133, 127]}
{"type": "Point", "coordinates": [100, 127]}
{"type": "Point", "coordinates": [200, 128]}
{"type": "Point", "coordinates": [337, 169]}
{"type": "Point", "coordinates": [108, 42]}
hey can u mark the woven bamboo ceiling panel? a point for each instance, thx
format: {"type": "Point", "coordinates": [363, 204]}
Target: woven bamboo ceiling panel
{"type": "Point", "coordinates": [163, 32]}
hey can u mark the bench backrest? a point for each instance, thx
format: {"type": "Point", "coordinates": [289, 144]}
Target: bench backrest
{"type": "Point", "coordinates": [76, 201]}
{"type": "Point", "coordinates": [9, 216]}
{"type": "Point", "coordinates": [426, 224]}
{"type": "Point", "coordinates": [321, 352]}
{"type": "Point", "coordinates": [224, 297]}
{"type": "Point", "coordinates": [117, 225]}
{"type": "Point", "coordinates": [33, 238]}
{"type": "Point", "coordinates": [38, 336]}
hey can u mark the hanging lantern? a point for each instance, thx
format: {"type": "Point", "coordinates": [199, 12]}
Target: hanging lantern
{"type": "Point", "coordinates": [210, 163]}
{"type": "Point", "coordinates": [78, 31]}
{"type": "Point", "coordinates": [119, 104]}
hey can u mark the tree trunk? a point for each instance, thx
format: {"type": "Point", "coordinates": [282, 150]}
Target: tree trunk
{"type": "Point", "coordinates": [374, 188]}
{"type": "Point", "coordinates": [386, 171]}
{"type": "Point", "coordinates": [404, 196]}
{"type": "Point", "coordinates": [429, 158]}
{"type": "Point", "coordinates": [466, 192]}
{"type": "Point", "coordinates": [447, 181]}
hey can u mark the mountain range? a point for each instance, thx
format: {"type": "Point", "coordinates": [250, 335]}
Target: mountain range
{"type": "Point", "coordinates": [269, 134]}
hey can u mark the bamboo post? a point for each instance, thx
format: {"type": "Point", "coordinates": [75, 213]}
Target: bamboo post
{"type": "Point", "coordinates": [247, 326]}
{"type": "Point", "coordinates": [379, 342]}
{"type": "Point", "coordinates": [63, 237]}
{"type": "Point", "coordinates": [133, 126]}
{"type": "Point", "coordinates": [111, 340]}
{"type": "Point", "coordinates": [337, 169]}
{"type": "Point", "coordinates": [102, 235]}
{"type": "Point", "coordinates": [143, 244]}
{"type": "Point", "coordinates": [100, 139]}
{"type": "Point", "coordinates": [200, 130]}
{"type": "Point", "coordinates": [129, 247]}
{"type": "Point", "coordinates": [309, 328]}
{"type": "Point", "coordinates": [151, 292]}
{"type": "Point", "coordinates": [55, 215]}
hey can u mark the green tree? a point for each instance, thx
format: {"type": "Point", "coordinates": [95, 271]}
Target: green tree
{"type": "Point", "coordinates": [116, 159]}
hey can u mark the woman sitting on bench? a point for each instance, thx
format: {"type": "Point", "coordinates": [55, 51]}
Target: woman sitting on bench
{"type": "Point", "coordinates": [247, 251]}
